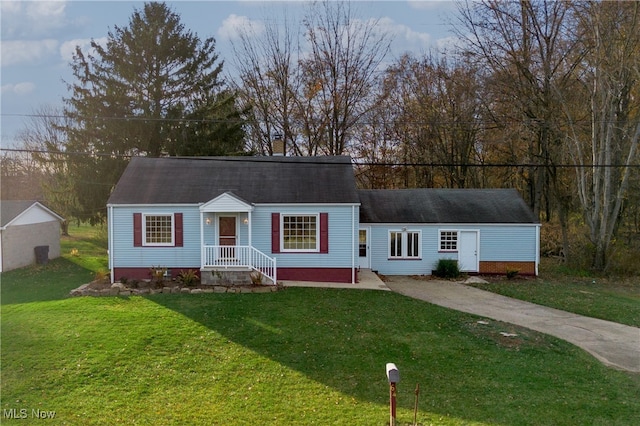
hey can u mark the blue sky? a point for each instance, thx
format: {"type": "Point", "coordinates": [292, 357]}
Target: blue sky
{"type": "Point", "coordinates": [38, 38]}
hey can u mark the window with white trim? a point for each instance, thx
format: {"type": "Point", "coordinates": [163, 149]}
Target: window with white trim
{"type": "Point", "coordinates": [405, 244]}
{"type": "Point", "coordinates": [448, 240]}
{"type": "Point", "coordinates": [158, 230]}
{"type": "Point", "coordinates": [300, 233]}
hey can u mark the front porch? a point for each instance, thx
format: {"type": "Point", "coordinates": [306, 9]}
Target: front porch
{"type": "Point", "coordinates": [218, 259]}
{"type": "Point", "coordinates": [226, 246]}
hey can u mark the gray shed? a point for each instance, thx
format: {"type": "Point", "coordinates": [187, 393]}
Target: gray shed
{"type": "Point", "coordinates": [29, 232]}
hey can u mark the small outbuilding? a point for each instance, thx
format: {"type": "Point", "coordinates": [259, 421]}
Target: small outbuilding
{"type": "Point", "coordinates": [29, 233]}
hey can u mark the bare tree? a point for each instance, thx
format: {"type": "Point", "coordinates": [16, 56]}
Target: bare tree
{"type": "Point", "coordinates": [431, 109]}
{"type": "Point", "coordinates": [342, 70]}
{"type": "Point", "coordinates": [268, 84]}
{"type": "Point", "coordinates": [525, 49]}
{"type": "Point", "coordinates": [530, 55]}
{"type": "Point", "coordinates": [312, 84]}
{"type": "Point", "coordinates": [44, 136]}
{"type": "Point", "coordinates": [605, 151]}
{"type": "Point", "coordinates": [20, 177]}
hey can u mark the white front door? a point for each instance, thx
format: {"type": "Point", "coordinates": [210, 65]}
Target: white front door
{"type": "Point", "coordinates": [468, 251]}
{"type": "Point", "coordinates": [363, 249]}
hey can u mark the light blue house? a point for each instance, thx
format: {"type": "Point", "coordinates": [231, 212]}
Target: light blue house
{"type": "Point", "coordinates": [407, 231]}
{"type": "Point", "coordinates": [302, 218]}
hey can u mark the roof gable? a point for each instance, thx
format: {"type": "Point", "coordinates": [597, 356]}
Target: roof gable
{"type": "Point", "coordinates": [428, 205]}
{"type": "Point", "coordinates": [25, 212]}
{"type": "Point", "coordinates": [256, 180]}
{"type": "Point", "coordinates": [226, 202]}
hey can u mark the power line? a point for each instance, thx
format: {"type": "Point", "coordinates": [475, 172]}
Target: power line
{"type": "Point", "coordinates": [434, 122]}
{"type": "Point", "coordinates": [318, 160]}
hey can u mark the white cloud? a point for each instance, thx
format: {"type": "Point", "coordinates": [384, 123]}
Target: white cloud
{"type": "Point", "coordinates": [33, 19]}
{"type": "Point", "coordinates": [404, 36]}
{"type": "Point", "coordinates": [23, 88]}
{"type": "Point", "coordinates": [9, 7]}
{"type": "Point", "coordinates": [234, 24]}
{"type": "Point", "coordinates": [68, 48]}
{"type": "Point", "coordinates": [26, 51]}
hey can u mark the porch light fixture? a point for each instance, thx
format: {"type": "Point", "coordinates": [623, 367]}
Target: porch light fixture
{"type": "Point", "coordinates": [208, 221]}
{"type": "Point", "coordinates": [246, 220]}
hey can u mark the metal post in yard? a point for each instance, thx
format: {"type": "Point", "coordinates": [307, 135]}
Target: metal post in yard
{"type": "Point", "coordinates": [393, 376]}
{"type": "Point", "coordinates": [415, 408]}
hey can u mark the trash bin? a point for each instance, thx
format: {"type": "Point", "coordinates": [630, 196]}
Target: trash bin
{"type": "Point", "coordinates": [42, 254]}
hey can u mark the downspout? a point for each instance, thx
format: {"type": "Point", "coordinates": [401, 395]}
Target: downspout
{"type": "Point", "coordinates": [110, 242]}
{"type": "Point", "coordinates": [249, 224]}
{"type": "Point", "coordinates": [353, 244]}
{"type": "Point", "coordinates": [201, 239]}
{"type": "Point", "coordinates": [537, 247]}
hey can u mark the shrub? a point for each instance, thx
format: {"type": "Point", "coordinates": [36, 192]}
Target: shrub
{"type": "Point", "coordinates": [157, 273]}
{"type": "Point", "coordinates": [188, 277]}
{"type": "Point", "coordinates": [101, 275]}
{"type": "Point", "coordinates": [512, 273]}
{"type": "Point", "coordinates": [447, 268]}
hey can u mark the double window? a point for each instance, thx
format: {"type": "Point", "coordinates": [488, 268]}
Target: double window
{"type": "Point", "coordinates": [405, 244]}
{"type": "Point", "coordinates": [300, 233]}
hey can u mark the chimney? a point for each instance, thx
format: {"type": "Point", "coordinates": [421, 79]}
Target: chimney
{"type": "Point", "coordinates": [278, 145]}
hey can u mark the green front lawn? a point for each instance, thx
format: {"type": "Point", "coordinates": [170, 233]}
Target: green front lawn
{"type": "Point", "coordinates": [299, 356]}
{"type": "Point", "coordinates": [612, 299]}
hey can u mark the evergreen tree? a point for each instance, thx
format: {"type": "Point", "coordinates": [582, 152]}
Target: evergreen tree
{"type": "Point", "coordinates": [154, 88]}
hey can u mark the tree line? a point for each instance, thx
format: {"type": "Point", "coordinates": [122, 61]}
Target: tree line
{"type": "Point", "coordinates": [540, 96]}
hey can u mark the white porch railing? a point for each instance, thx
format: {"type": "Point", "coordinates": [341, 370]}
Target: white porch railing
{"type": "Point", "coordinates": [227, 257]}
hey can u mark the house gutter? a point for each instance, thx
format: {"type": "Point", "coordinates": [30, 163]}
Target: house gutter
{"type": "Point", "coordinates": [110, 242]}
{"type": "Point", "coordinates": [201, 236]}
{"type": "Point", "coordinates": [353, 244]}
{"type": "Point", "coordinates": [537, 247]}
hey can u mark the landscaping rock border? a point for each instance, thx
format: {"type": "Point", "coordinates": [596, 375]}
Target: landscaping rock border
{"type": "Point", "coordinates": [119, 289]}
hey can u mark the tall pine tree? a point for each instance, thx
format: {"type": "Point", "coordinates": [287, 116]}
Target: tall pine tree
{"type": "Point", "coordinates": [154, 88]}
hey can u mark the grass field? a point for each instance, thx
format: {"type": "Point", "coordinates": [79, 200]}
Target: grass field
{"type": "Point", "coordinates": [611, 298]}
{"type": "Point", "coordinates": [298, 356]}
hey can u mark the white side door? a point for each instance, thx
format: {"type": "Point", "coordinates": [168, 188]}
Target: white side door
{"type": "Point", "coordinates": [364, 257]}
{"type": "Point", "coordinates": [468, 251]}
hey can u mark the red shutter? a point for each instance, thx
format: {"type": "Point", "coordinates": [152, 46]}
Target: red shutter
{"type": "Point", "coordinates": [324, 232]}
{"type": "Point", "coordinates": [137, 229]}
{"type": "Point", "coordinates": [177, 217]}
{"type": "Point", "coordinates": [275, 232]}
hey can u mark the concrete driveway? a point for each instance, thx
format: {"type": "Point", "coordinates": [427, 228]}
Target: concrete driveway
{"type": "Point", "coordinates": [614, 344]}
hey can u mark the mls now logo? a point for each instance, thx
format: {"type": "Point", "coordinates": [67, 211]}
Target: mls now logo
{"type": "Point", "coordinates": [14, 413]}
{"type": "Point", "coordinates": [23, 413]}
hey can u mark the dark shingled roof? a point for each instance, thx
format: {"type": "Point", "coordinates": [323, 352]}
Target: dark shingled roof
{"type": "Point", "coordinates": [276, 180]}
{"type": "Point", "coordinates": [443, 206]}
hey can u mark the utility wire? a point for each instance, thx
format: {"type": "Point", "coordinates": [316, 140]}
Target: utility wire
{"type": "Point", "coordinates": [239, 121]}
{"type": "Point", "coordinates": [318, 160]}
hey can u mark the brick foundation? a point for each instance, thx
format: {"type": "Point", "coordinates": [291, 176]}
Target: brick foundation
{"type": "Point", "coordinates": [501, 268]}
